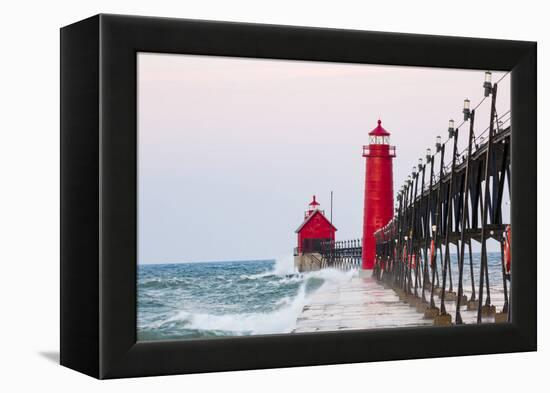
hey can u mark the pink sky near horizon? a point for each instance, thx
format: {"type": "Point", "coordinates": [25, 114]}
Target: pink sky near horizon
{"type": "Point", "coordinates": [232, 149]}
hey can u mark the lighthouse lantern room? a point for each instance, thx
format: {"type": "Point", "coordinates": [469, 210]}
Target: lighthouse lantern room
{"type": "Point", "coordinates": [315, 229]}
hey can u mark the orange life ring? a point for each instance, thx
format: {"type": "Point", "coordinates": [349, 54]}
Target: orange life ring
{"type": "Point", "coordinates": [432, 252]}
{"type": "Point", "coordinates": [507, 248]}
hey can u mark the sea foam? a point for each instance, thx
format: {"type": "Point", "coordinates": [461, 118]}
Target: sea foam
{"type": "Point", "coordinates": [281, 320]}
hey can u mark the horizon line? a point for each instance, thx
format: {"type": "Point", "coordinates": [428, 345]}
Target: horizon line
{"type": "Point", "coordinates": [215, 261]}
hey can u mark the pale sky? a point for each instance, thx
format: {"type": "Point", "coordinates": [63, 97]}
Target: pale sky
{"type": "Point", "coordinates": [231, 150]}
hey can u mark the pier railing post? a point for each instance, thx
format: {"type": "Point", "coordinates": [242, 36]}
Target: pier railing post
{"type": "Point", "coordinates": [412, 235]}
{"type": "Point", "coordinates": [465, 196]}
{"type": "Point", "coordinates": [427, 231]}
{"type": "Point", "coordinates": [486, 200]}
{"type": "Point", "coordinates": [447, 261]}
{"type": "Point", "coordinates": [437, 225]}
{"type": "Point", "coordinates": [408, 277]}
{"type": "Point", "coordinates": [398, 245]}
{"type": "Point", "coordinates": [404, 250]}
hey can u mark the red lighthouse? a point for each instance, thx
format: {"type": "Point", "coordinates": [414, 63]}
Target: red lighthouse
{"type": "Point", "coordinates": [378, 205]}
{"type": "Point", "coordinates": [315, 229]}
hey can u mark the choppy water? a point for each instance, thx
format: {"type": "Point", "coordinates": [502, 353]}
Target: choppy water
{"type": "Point", "coordinates": [193, 300]}
{"type": "Point", "coordinates": [494, 263]}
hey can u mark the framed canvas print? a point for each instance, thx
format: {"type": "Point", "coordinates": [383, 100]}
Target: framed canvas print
{"type": "Point", "coordinates": [239, 196]}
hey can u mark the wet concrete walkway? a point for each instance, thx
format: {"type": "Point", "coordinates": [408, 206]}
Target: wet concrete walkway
{"type": "Point", "coordinates": [364, 303]}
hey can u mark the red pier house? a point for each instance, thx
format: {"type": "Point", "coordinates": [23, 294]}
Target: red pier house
{"type": "Point", "coordinates": [378, 205]}
{"type": "Point", "coordinates": [315, 229]}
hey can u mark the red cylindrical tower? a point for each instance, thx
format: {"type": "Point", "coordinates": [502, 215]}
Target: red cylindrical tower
{"type": "Point", "coordinates": [378, 206]}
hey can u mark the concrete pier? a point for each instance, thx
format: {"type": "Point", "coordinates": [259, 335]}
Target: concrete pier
{"type": "Point", "coordinates": [361, 303]}
{"type": "Point", "coordinates": [365, 303]}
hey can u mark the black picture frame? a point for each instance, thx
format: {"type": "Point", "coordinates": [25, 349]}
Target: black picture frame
{"type": "Point", "coordinates": [98, 195]}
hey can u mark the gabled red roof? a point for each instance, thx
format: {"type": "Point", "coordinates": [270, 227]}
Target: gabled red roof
{"type": "Point", "coordinates": [379, 131]}
{"type": "Point", "coordinates": [311, 216]}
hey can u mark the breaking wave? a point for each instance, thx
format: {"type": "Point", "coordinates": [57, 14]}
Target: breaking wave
{"type": "Point", "coordinates": [264, 297]}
